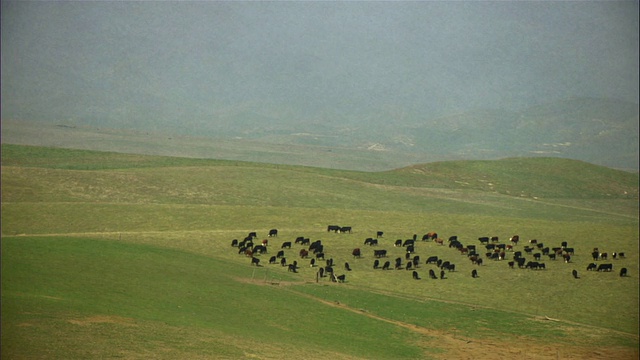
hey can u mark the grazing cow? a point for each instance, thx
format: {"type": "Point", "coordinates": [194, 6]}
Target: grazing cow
{"type": "Point", "coordinates": [445, 265]}
{"type": "Point", "coordinates": [328, 270]}
{"type": "Point", "coordinates": [605, 267]}
{"type": "Point", "coordinates": [592, 267]}
{"type": "Point", "coordinates": [283, 261]}
{"type": "Point", "coordinates": [432, 274]}
{"type": "Point", "coordinates": [379, 234]}
{"type": "Point", "coordinates": [398, 243]}
{"type": "Point", "coordinates": [398, 264]}
{"type": "Point", "coordinates": [528, 249]}
{"type": "Point", "coordinates": [514, 239]}
{"type": "Point", "coordinates": [494, 239]}
{"type": "Point", "coordinates": [320, 256]}
{"type": "Point", "coordinates": [432, 260]}
{"type": "Point", "coordinates": [371, 241]}
{"type": "Point", "coordinates": [341, 278]}
{"type": "Point", "coordinates": [304, 253]}
{"type": "Point", "coordinates": [484, 240]}
{"type": "Point", "coordinates": [252, 235]}
{"type": "Point", "coordinates": [453, 238]}
{"type": "Point", "coordinates": [329, 262]}
{"type": "Point", "coordinates": [541, 266]}
{"type": "Point", "coordinates": [537, 256]}
{"type": "Point", "coordinates": [575, 274]}
{"type": "Point", "coordinates": [521, 262]}
{"type": "Point", "coordinates": [376, 264]}
{"type": "Point", "coordinates": [292, 268]}
{"type": "Point", "coordinates": [474, 273]}
{"type": "Point", "coordinates": [451, 267]}
{"type": "Point", "coordinates": [356, 253]}
{"type": "Point", "coordinates": [345, 229]}
{"type": "Point", "coordinates": [408, 242]}
{"type": "Point", "coordinates": [430, 236]}
{"type": "Point", "coordinates": [416, 261]}
{"type": "Point", "coordinates": [545, 251]}
{"type": "Point", "coordinates": [314, 245]}
{"type": "Point", "coordinates": [511, 264]}
{"type": "Point", "coordinates": [439, 241]}
{"type": "Point", "coordinates": [379, 253]}
{"type": "Point", "coordinates": [567, 258]}
{"type": "Point", "coordinates": [415, 275]}
{"type": "Point", "coordinates": [286, 244]}
{"type": "Point", "coordinates": [623, 272]}
{"type": "Point", "coordinates": [532, 265]}
{"type": "Point", "coordinates": [312, 263]}
{"type": "Point", "coordinates": [463, 250]}
{"type": "Point", "coordinates": [234, 243]}
{"type": "Point", "coordinates": [321, 272]}
{"type": "Point", "coordinates": [552, 256]}
{"type": "Point", "coordinates": [387, 265]}
{"type": "Point", "coordinates": [409, 266]}
{"type": "Point", "coordinates": [273, 232]}
{"type": "Point", "coordinates": [347, 267]}
{"type": "Point", "coordinates": [255, 261]}
{"type": "Point", "coordinates": [442, 273]}
{"type": "Point", "coordinates": [259, 249]}
{"type": "Point", "coordinates": [604, 256]}
{"type": "Point", "coordinates": [533, 241]}
{"type": "Point", "coordinates": [568, 251]}
{"type": "Point", "coordinates": [299, 240]}
{"type": "Point", "coordinates": [334, 228]}
{"type": "Point", "coordinates": [280, 254]}
{"type": "Point", "coordinates": [407, 256]}
{"type": "Point", "coordinates": [410, 249]}
{"type": "Point", "coordinates": [273, 260]}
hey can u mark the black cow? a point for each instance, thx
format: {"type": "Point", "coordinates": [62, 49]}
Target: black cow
{"type": "Point", "coordinates": [371, 241]}
{"type": "Point", "coordinates": [345, 229]}
{"type": "Point", "coordinates": [532, 265]}
{"type": "Point", "coordinates": [442, 274]}
{"type": "Point", "coordinates": [605, 267]}
{"type": "Point", "coordinates": [312, 263]}
{"type": "Point", "coordinates": [416, 276]}
{"type": "Point", "coordinates": [521, 262]}
{"type": "Point", "coordinates": [410, 249]}
{"type": "Point", "coordinates": [409, 266]}
{"type": "Point", "coordinates": [252, 235]}
{"type": "Point", "coordinates": [273, 232]}
{"type": "Point", "coordinates": [293, 268]}
{"type": "Point", "coordinates": [564, 244]}
{"type": "Point", "coordinates": [398, 243]}
{"type": "Point", "coordinates": [432, 274]}
{"type": "Point", "coordinates": [511, 264]}
{"type": "Point", "coordinates": [286, 244]}
{"type": "Point", "coordinates": [314, 245]}
{"type": "Point", "coordinates": [445, 265]}
{"type": "Point", "coordinates": [280, 254]}
{"type": "Point", "coordinates": [234, 242]}
{"type": "Point", "coordinates": [299, 240]}
{"type": "Point", "coordinates": [623, 272]}
{"type": "Point", "coordinates": [379, 234]}
{"type": "Point", "coordinates": [484, 240]}
{"type": "Point", "coordinates": [474, 273]}
{"type": "Point", "coordinates": [537, 256]}
{"type": "Point", "coordinates": [341, 278]}
{"type": "Point", "coordinates": [376, 264]}
{"type": "Point", "coordinates": [575, 274]}
{"type": "Point", "coordinates": [320, 255]}
{"type": "Point", "coordinates": [568, 251]}
{"type": "Point", "coordinates": [320, 272]}
{"type": "Point", "coordinates": [432, 260]}
{"type": "Point", "coordinates": [379, 253]}
{"type": "Point", "coordinates": [283, 261]}
{"type": "Point", "coordinates": [273, 260]}
{"type": "Point", "coordinates": [259, 249]}
{"type": "Point", "coordinates": [592, 267]}
{"type": "Point", "coordinates": [347, 267]}
{"type": "Point", "coordinates": [408, 242]}
{"type": "Point", "coordinates": [255, 261]}
{"type": "Point", "coordinates": [451, 267]}
{"type": "Point", "coordinates": [494, 239]}
{"type": "Point", "coordinates": [329, 262]}
{"type": "Point", "coordinates": [552, 256]}
{"type": "Point", "coordinates": [334, 228]}
{"type": "Point", "coordinates": [328, 270]}
{"type": "Point", "coordinates": [386, 266]}
{"type": "Point", "coordinates": [416, 261]}
{"type": "Point", "coordinates": [398, 264]}
{"type": "Point", "coordinates": [356, 253]}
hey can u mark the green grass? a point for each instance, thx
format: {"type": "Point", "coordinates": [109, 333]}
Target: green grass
{"type": "Point", "coordinates": [129, 256]}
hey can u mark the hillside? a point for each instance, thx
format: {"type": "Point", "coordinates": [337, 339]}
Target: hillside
{"type": "Point", "coordinates": [128, 255]}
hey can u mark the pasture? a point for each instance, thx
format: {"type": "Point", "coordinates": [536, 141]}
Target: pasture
{"type": "Point", "coordinates": [117, 255]}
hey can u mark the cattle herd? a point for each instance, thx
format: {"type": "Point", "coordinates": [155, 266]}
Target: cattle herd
{"type": "Point", "coordinates": [531, 256]}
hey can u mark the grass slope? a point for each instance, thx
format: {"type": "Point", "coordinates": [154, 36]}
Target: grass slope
{"type": "Point", "coordinates": [98, 244]}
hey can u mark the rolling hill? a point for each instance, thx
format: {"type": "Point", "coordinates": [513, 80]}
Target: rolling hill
{"type": "Point", "coordinates": [129, 255]}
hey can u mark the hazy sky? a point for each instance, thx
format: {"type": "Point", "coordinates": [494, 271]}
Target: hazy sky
{"type": "Point", "coordinates": [176, 62]}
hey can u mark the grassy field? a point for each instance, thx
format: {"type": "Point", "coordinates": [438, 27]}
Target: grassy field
{"type": "Point", "coordinates": [117, 255]}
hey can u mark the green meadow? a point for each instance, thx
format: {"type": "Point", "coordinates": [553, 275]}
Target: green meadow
{"type": "Point", "coordinates": [111, 255]}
